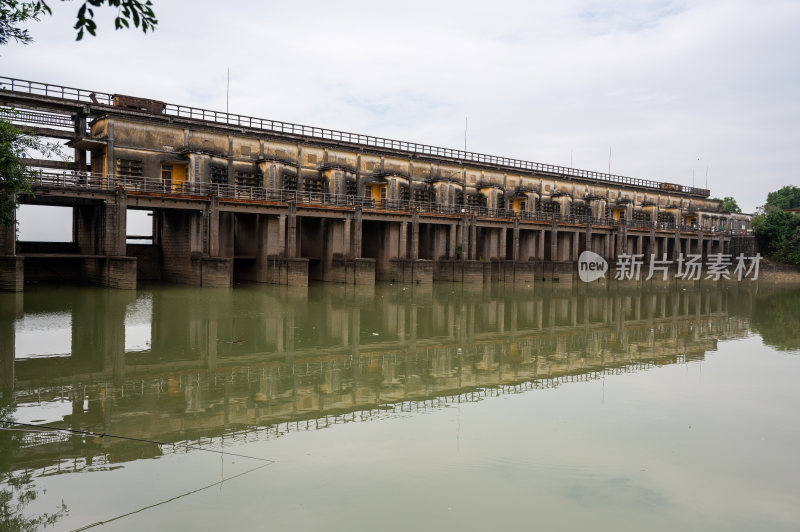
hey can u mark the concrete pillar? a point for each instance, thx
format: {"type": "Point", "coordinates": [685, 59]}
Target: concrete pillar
{"type": "Point", "coordinates": [414, 255]}
{"type": "Point", "coordinates": [473, 238]}
{"type": "Point", "coordinates": [587, 238]}
{"type": "Point", "coordinates": [114, 226]}
{"type": "Point", "coordinates": [282, 235]}
{"type": "Point", "coordinates": [575, 245]}
{"type": "Point", "coordinates": [403, 251]}
{"type": "Point", "coordinates": [501, 244]}
{"type": "Point", "coordinates": [348, 252]}
{"type": "Point", "coordinates": [554, 241]}
{"type": "Point", "coordinates": [515, 241]}
{"type": "Point", "coordinates": [639, 243]}
{"type": "Point", "coordinates": [540, 245]}
{"type": "Point", "coordinates": [355, 241]}
{"type": "Point", "coordinates": [291, 231]}
{"type": "Point", "coordinates": [212, 227]}
{"type": "Point", "coordinates": [676, 245]}
{"type": "Point", "coordinates": [652, 249]}
{"type": "Point", "coordinates": [452, 245]}
{"type": "Point", "coordinates": [463, 239]}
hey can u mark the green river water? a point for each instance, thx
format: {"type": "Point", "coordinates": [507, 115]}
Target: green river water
{"type": "Point", "coordinates": [400, 408]}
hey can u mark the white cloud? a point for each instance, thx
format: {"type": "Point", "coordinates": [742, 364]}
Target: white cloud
{"type": "Point", "coordinates": [662, 83]}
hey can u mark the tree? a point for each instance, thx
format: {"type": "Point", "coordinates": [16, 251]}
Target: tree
{"type": "Point", "coordinates": [14, 176]}
{"type": "Point", "coordinates": [787, 197]}
{"type": "Point", "coordinates": [778, 234]}
{"type": "Point", "coordinates": [14, 143]}
{"type": "Point", "coordinates": [13, 13]}
{"type": "Point", "coordinates": [729, 205]}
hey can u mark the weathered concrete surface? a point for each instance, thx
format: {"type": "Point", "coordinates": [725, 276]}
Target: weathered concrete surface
{"type": "Point", "coordinates": [411, 271]}
{"type": "Point", "coordinates": [12, 273]}
{"type": "Point", "coordinates": [215, 272]}
{"type": "Point", "coordinates": [459, 271]}
{"type": "Point", "coordinates": [112, 272]}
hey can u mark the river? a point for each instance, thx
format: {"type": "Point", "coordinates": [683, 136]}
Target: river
{"type": "Point", "coordinates": [401, 408]}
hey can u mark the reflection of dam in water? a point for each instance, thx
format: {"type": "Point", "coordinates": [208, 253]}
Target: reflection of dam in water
{"type": "Point", "coordinates": [255, 364]}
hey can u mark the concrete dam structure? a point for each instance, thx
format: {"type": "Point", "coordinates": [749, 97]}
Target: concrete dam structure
{"type": "Point", "coordinates": [238, 198]}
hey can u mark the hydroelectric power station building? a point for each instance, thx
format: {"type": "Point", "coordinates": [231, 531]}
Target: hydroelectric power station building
{"type": "Point", "coordinates": [240, 198]}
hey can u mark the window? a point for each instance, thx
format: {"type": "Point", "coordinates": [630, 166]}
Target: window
{"type": "Point", "coordinates": [403, 192]}
{"type": "Point", "coordinates": [421, 195]}
{"type": "Point", "coordinates": [247, 179]}
{"type": "Point", "coordinates": [550, 207]}
{"type": "Point", "coordinates": [351, 187]}
{"type": "Point", "coordinates": [312, 185]}
{"type": "Point", "coordinates": [219, 174]}
{"type": "Point", "coordinates": [131, 167]}
{"type": "Point", "coordinates": [289, 182]}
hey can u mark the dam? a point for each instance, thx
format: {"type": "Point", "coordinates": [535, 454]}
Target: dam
{"type": "Point", "coordinates": [238, 198]}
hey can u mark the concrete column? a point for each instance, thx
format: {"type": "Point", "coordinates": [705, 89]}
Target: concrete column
{"type": "Point", "coordinates": [653, 250]}
{"type": "Point", "coordinates": [575, 246]}
{"type": "Point", "coordinates": [587, 238]}
{"type": "Point", "coordinates": [355, 242]}
{"type": "Point", "coordinates": [114, 227]}
{"type": "Point", "coordinates": [473, 238]}
{"type": "Point", "coordinates": [501, 244]}
{"type": "Point", "coordinates": [291, 231]}
{"type": "Point", "coordinates": [414, 236]}
{"type": "Point", "coordinates": [540, 245]}
{"type": "Point", "coordinates": [282, 235]}
{"type": "Point", "coordinates": [554, 241]}
{"type": "Point", "coordinates": [515, 241]}
{"type": "Point", "coordinates": [348, 252]}
{"type": "Point", "coordinates": [212, 227]}
{"type": "Point", "coordinates": [639, 243]}
{"type": "Point", "coordinates": [452, 247]}
{"type": "Point", "coordinates": [464, 228]}
{"type": "Point", "coordinates": [620, 237]}
{"type": "Point", "coordinates": [403, 251]}
{"type": "Point", "coordinates": [676, 245]}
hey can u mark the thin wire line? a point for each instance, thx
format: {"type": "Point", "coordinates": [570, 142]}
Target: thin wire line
{"type": "Point", "coordinates": [142, 509]}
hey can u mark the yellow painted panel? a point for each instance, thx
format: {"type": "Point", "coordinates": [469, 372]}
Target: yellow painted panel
{"type": "Point", "coordinates": [376, 192]}
{"type": "Point", "coordinates": [178, 176]}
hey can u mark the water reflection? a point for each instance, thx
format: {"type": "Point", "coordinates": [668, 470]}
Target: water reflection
{"type": "Point", "coordinates": [175, 364]}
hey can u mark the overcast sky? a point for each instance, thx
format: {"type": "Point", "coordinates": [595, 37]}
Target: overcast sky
{"type": "Point", "coordinates": [671, 87]}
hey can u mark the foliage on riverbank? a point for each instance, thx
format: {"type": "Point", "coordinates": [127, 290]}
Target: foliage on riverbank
{"type": "Point", "coordinates": [778, 230]}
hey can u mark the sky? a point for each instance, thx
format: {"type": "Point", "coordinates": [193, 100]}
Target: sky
{"type": "Point", "coordinates": [674, 91]}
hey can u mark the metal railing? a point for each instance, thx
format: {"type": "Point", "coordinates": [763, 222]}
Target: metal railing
{"type": "Point", "coordinates": [36, 117]}
{"type": "Point", "coordinates": [76, 181]}
{"type": "Point", "coordinates": [231, 119]}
